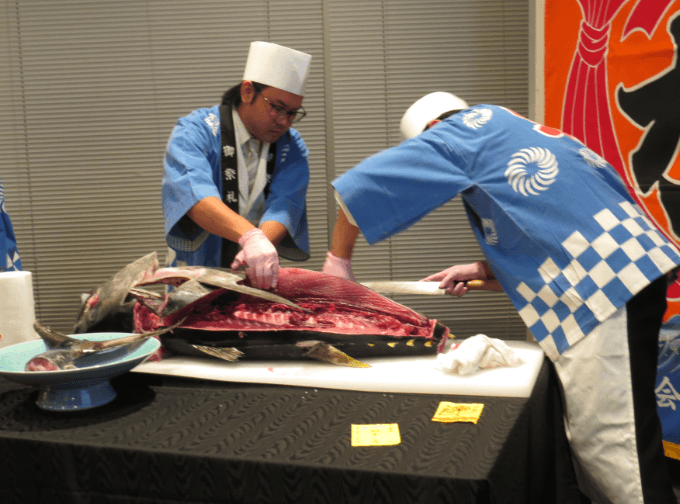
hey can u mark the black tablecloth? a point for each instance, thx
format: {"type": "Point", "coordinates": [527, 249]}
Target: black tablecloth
{"type": "Point", "coordinates": [171, 440]}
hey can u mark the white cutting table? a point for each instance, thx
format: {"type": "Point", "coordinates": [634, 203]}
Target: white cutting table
{"type": "Point", "coordinates": [394, 375]}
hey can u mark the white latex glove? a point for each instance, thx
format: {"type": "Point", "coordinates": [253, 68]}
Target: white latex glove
{"type": "Point", "coordinates": [453, 279]}
{"type": "Point", "coordinates": [337, 266]}
{"type": "Point", "coordinates": [259, 255]}
{"type": "Point", "coordinates": [477, 352]}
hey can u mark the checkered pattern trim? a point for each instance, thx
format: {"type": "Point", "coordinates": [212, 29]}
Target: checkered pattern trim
{"type": "Point", "coordinates": [602, 275]}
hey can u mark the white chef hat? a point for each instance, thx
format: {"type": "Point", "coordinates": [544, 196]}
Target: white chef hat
{"type": "Point", "coordinates": [277, 66]}
{"type": "Point", "coordinates": [426, 109]}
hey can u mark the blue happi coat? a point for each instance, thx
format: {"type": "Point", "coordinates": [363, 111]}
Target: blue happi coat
{"type": "Point", "coordinates": [192, 172]}
{"type": "Point", "coordinates": [9, 254]}
{"type": "Point", "coordinates": [557, 225]}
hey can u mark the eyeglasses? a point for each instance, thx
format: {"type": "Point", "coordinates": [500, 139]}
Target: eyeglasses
{"type": "Point", "coordinates": [282, 113]}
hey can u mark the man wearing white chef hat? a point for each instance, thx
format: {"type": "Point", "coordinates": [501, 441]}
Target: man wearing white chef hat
{"type": "Point", "coordinates": [237, 173]}
{"type": "Point", "coordinates": [561, 235]}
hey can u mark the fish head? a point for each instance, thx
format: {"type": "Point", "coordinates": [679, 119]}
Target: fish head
{"type": "Point", "coordinates": [108, 298]}
{"type": "Point", "coordinates": [52, 360]}
{"type": "Point", "coordinates": [85, 353]}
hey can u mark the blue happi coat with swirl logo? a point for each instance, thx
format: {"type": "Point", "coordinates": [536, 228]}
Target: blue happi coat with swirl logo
{"type": "Point", "coordinates": [555, 221]}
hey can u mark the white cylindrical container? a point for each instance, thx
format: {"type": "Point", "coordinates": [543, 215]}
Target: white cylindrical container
{"type": "Point", "coordinates": [17, 308]}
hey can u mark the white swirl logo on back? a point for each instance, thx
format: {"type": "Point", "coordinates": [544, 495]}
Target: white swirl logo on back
{"type": "Point", "coordinates": [477, 118]}
{"type": "Point", "coordinates": [593, 159]}
{"type": "Point", "coordinates": [519, 177]}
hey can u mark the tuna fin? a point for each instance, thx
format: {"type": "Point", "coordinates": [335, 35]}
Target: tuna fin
{"type": "Point", "coordinates": [327, 353]}
{"type": "Point", "coordinates": [217, 281]}
{"type": "Point", "coordinates": [227, 354]}
{"type": "Point", "coordinates": [54, 339]}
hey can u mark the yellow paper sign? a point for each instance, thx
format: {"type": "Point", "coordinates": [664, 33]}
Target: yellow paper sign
{"type": "Point", "coordinates": [375, 435]}
{"type": "Point", "coordinates": [458, 412]}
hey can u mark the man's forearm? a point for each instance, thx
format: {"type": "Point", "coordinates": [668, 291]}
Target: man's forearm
{"type": "Point", "coordinates": [274, 231]}
{"type": "Point", "coordinates": [217, 218]}
{"type": "Point", "coordinates": [344, 237]}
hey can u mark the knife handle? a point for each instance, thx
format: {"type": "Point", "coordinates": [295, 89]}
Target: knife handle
{"type": "Point", "coordinates": [487, 285]}
{"type": "Point", "coordinates": [475, 284]}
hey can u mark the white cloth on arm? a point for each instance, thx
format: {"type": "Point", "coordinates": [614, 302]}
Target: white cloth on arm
{"type": "Point", "coordinates": [339, 201]}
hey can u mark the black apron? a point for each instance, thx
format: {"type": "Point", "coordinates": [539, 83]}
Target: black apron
{"type": "Point", "coordinates": [230, 194]}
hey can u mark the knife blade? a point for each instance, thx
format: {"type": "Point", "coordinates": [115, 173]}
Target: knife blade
{"type": "Point", "coordinates": [409, 287]}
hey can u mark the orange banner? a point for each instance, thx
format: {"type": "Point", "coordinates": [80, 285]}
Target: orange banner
{"type": "Point", "coordinates": [611, 79]}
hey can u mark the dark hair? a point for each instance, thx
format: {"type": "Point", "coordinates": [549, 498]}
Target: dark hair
{"type": "Point", "coordinates": [448, 114]}
{"type": "Point", "coordinates": [233, 96]}
{"type": "Point", "coordinates": [443, 116]}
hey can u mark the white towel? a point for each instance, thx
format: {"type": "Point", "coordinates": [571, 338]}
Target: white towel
{"type": "Point", "coordinates": [474, 353]}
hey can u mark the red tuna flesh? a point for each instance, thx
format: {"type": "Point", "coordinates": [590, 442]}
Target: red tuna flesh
{"type": "Point", "coordinates": [335, 306]}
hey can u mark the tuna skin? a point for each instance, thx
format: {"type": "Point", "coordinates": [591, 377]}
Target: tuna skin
{"type": "Point", "coordinates": [347, 315]}
{"type": "Point", "coordinates": [217, 307]}
{"type": "Point", "coordinates": [335, 306]}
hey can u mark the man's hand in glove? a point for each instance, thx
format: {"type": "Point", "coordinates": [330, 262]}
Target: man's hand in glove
{"type": "Point", "coordinates": [260, 257]}
{"type": "Point", "coordinates": [339, 267]}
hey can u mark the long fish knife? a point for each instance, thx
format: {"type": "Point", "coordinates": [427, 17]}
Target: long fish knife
{"type": "Point", "coordinates": [423, 288]}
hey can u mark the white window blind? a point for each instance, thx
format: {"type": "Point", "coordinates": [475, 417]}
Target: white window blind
{"type": "Point", "coordinates": [90, 90]}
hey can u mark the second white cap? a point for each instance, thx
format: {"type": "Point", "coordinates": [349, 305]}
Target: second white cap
{"type": "Point", "coordinates": [426, 109]}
